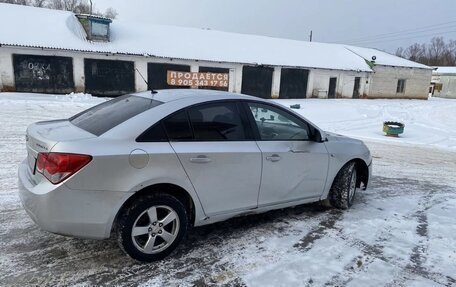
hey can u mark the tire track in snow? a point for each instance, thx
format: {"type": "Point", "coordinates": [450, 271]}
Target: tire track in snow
{"type": "Point", "coordinates": [328, 223]}
{"type": "Point", "coordinates": [375, 252]}
{"type": "Point", "coordinates": [414, 268]}
{"type": "Point", "coordinates": [419, 253]}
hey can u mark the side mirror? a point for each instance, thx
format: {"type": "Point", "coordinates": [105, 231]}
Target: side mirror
{"type": "Point", "coordinates": [317, 137]}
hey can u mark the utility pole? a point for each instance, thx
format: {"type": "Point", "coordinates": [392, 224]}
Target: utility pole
{"type": "Point", "coordinates": [310, 35]}
{"type": "Point", "coordinates": [91, 7]}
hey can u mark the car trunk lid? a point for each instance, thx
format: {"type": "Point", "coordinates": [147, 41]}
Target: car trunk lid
{"type": "Point", "coordinates": [43, 136]}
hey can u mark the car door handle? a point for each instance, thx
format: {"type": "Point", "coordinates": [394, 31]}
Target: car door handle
{"type": "Point", "coordinates": [273, 158]}
{"type": "Point", "coordinates": [200, 159]}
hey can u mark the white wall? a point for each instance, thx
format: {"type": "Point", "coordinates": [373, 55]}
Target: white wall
{"type": "Point", "coordinates": [319, 81]}
{"type": "Point", "coordinates": [383, 83]}
{"type": "Point", "coordinates": [448, 86]}
{"type": "Point", "coordinates": [276, 75]}
{"type": "Point", "coordinates": [7, 71]}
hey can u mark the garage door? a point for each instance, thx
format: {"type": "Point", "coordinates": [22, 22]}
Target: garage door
{"type": "Point", "coordinates": [157, 75]}
{"type": "Point", "coordinates": [109, 77]}
{"type": "Point", "coordinates": [43, 74]}
{"type": "Point", "coordinates": [257, 81]}
{"type": "Point", "coordinates": [293, 83]}
{"type": "Point", "coordinates": [214, 70]}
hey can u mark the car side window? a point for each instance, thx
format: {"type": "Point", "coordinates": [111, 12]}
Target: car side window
{"type": "Point", "coordinates": [276, 124]}
{"type": "Point", "coordinates": [177, 127]}
{"type": "Point", "coordinates": [156, 133]}
{"type": "Point", "coordinates": [217, 122]}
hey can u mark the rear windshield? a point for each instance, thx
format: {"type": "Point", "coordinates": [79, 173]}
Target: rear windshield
{"type": "Point", "coordinates": [105, 116]}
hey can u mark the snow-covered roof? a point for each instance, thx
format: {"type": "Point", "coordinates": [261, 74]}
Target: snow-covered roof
{"type": "Point", "coordinates": [385, 59]}
{"type": "Point", "coordinates": [444, 70]}
{"type": "Point", "coordinates": [45, 28]}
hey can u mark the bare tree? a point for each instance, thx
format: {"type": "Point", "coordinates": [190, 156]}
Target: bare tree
{"type": "Point", "coordinates": [57, 4]}
{"type": "Point", "coordinates": [450, 55]}
{"type": "Point", "coordinates": [415, 52]}
{"type": "Point", "coordinates": [400, 52]}
{"type": "Point", "coordinates": [436, 53]}
{"type": "Point", "coordinates": [436, 50]}
{"type": "Point", "coordinates": [111, 13]}
{"type": "Point", "coordinates": [76, 6]}
{"type": "Point", "coordinates": [83, 7]}
{"type": "Point", "coordinates": [40, 3]}
{"type": "Point", "coordinates": [70, 5]}
{"type": "Point", "coordinates": [17, 2]}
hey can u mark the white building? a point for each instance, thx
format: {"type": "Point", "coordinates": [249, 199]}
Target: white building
{"type": "Point", "coordinates": [44, 50]}
{"type": "Point", "coordinates": [444, 82]}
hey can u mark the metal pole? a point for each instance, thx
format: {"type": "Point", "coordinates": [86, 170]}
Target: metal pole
{"type": "Point", "coordinates": [91, 6]}
{"type": "Point", "coordinates": [310, 35]}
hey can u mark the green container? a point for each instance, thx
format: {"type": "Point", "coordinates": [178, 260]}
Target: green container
{"type": "Point", "coordinates": [393, 129]}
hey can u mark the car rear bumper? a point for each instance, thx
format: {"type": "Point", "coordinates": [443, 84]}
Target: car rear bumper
{"type": "Point", "coordinates": [59, 209]}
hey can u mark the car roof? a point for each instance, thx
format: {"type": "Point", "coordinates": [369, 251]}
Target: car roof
{"type": "Point", "coordinates": [198, 94]}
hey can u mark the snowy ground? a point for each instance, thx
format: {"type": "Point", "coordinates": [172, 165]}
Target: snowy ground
{"type": "Point", "coordinates": [430, 123]}
{"type": "Point", "coordinates": [400, 232]}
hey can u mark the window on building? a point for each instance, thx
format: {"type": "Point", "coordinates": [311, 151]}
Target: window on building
{"type": "Point", "coordinates": [96, 27]}
{"type": "Point", "coordinates": [100, 29]}
{"type": "Point", "coordinates": [400, 86]}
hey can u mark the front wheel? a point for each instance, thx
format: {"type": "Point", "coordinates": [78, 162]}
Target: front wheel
{"type": "Point", "coordinates": [343, 189]}
{"type": "Point", "coordinates": [152, 227]}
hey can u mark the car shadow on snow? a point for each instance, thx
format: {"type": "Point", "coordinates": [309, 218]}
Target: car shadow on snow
{"type": "Point", "coordinates": [47, 259]}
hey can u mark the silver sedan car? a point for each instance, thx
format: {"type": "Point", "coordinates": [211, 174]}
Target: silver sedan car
{"type": "Point", "coordinates": [145, 167]}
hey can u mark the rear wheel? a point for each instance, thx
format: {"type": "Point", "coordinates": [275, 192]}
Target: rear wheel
{"type": "Point", "coordinates": [343, 189]}
{"type": "Point", "coordinates": [152, 227]}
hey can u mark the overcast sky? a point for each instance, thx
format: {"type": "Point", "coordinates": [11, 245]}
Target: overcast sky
{"type": "Point", "coordinates": [358, 22]}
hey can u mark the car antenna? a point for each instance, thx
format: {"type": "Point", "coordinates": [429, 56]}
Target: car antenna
{"type": "Point", "coordinates": [148, 86]}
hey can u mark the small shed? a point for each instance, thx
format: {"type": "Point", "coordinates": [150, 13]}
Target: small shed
{"type": "Point", "coordinates": [443, 83]}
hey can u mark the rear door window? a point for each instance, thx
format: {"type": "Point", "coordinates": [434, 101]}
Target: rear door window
{"type": "Point", "coordinates": [217, 122]}
{"type": "Point", "coordinates": [177, 127]}
{"type": "Point", "coordinates": [108, 115]}
{"type": "Point", "coordinates": [156, 133]}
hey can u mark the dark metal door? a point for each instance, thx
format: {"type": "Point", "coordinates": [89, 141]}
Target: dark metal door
{"type": "Point", "coordinates": [293, 83]}
{"type": "Point", "coordinates": [356, 88]}
{"type": "Point", "coordinates": [109, 77]}
{"type": "Point", "coordinates": [332, 88]}
{"type": "Point", "coordinates": [157, 75]}
{"type": "Point", "coordinates": [257, 81]}
{"type": "Point", "coordinates": [214, 70]}
{"type": "Point", "coordinates": [43, 74]}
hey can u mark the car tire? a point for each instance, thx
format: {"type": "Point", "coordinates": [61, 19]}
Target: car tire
{"type": "Point", "coordinates": [343, 189]}
{"type": "Point", "coordinates": [151, 227]}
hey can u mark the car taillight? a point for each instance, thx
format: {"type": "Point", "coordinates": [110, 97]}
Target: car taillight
{"type": "Point", "coordinates": [57, 167]}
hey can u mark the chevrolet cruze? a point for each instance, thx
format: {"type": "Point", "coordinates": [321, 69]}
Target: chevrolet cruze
{"type": "Point", "coordinates": [145, 167]}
